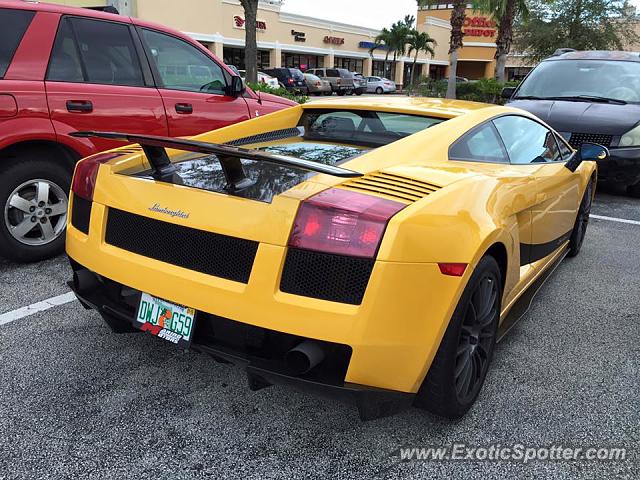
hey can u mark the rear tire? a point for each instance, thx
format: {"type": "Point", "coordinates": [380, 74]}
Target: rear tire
{"type": "Point", "coordinates": [582, 221]}
{"type": "Point", "coordinates": [342, 93]}
{"type": "Point", "coordinates": [33, 193]}
{"type": "Point", "coordinates": [379, 91]}
{"type": "Point", "coordinates": [460, 366]}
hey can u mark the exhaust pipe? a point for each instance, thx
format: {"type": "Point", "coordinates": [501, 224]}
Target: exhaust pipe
{"type": "Point", "coordinates": [304, 357]}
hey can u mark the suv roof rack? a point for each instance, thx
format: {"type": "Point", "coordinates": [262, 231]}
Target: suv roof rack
{"type": "Point", "coordinates": [106, 9]}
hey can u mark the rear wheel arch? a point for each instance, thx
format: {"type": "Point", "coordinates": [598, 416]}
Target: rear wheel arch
{"type": "Point", "coordinates": [53, 151]}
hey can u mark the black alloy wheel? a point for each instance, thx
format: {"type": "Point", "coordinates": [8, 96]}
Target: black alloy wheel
{"type": "Point", "coordinates": [477, 338]}
{"type": "Point", "coordinates": [582, 221]}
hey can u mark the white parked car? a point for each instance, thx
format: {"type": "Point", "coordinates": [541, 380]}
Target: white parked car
{"type": "Point", "coordinates": [380, 85]}
{"type": "Point", "coordinates": [263, 78]}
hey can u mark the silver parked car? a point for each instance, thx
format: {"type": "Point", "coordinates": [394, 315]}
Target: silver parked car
{"type": "Point", "coordinates": [380, 85]}
{"type": "Point", "coordinates": [316, 85]}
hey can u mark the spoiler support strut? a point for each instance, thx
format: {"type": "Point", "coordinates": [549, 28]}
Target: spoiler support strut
{"type": "Point", "coordinates": [229, 157]}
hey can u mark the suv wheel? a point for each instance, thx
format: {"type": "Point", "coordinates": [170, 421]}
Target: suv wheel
{"type": "Point", "coordinates": [33, 209]}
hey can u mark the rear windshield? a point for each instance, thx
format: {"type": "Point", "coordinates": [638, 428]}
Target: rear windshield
{"type": "Point", "coordinates": [14, 23]}
{"type": "Point", "coordinates": [296, 74]}
{"type": "Point", "coordinates": [362, 127]}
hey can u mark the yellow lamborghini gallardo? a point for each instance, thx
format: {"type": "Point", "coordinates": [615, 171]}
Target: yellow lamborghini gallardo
{"type": "Point", "coordinates": [370, 249]}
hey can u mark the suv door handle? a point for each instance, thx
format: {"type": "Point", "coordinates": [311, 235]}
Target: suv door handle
{"type": "Point", "coordinates": [83, 106]}
{"type": "Point", "coordinates": [184, 108]}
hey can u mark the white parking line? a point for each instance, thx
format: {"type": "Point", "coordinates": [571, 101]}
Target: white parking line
{"type": "Point", "coordinates": [36, 307]}
{"type": "Point", "coordinates": [614, 219]}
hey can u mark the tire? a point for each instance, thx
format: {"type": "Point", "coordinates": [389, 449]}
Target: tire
{"type": "Point", "coordinates": [329, 93]}
{"type": "Point", "coordinates": [379, 91]}
{"type": "Point", "coordinates": [634, 190]}
{"type": "Point", "coordinates": [22, 182]}
{"type": "Point", "coordinates": [317, 94]}
{"type": "Point", "coordinates": [466, 348]}
{"type": "Point", "coordinates": [358, 92]}
{"type": "Point", "coordinates": [582, 221]}
{"type": "Point", "coordinates": [342, 93]}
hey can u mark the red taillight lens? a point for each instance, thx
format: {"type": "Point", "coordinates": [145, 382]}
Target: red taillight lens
{"type": "Point", "coordinates": [318, 84]}
{"type": "Point", "coordinates": [84, 179]}
{"type": "Point", "coordinates": [290, 80]}
{"type": "Point", "coordinates": [343, 222]}
{"type": "Point", "coordinates": [452, 269]}
{"type": "Point", "coordinates": [338, 81]}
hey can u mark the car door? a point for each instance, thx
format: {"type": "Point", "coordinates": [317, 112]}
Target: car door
{"type": "Point", "coordinates": [535, 147]}
{"type": "Point", "coordinates": [96, 80]}
{"type": "Point", "coordinates": [192, 85]}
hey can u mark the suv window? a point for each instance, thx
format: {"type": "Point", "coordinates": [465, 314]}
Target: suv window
{"type": "Point", "coordinates": [527, 141]}
{"type": "Point", "coordinates": [332, 72]}
{"type": "Point", "coordinates": [94, 51]}
{"type": "Point", "coordinates": [182, 66]}
{"type": "Point", "coordinates": [14, 24]}
{"type": "Point", "coordinates": [481, 144]}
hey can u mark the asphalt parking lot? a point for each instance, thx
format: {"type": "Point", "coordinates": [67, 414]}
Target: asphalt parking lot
{"type": "Point", "coordinates": [80, 402]}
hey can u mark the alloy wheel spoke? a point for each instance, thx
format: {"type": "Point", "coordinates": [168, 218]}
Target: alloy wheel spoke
{"type": "Point", "coordinates": [42, 192]}
{"type": "Point", "coordinates": [47, 230]}
{"type": "Point", "coordinates": [462, 364]}
{"type": "Point", "coordinates": [23, 227]}
{"type": "Point", "coordinates": [58, 208]}
{"type": "Point", "coordinates": [20, 203]}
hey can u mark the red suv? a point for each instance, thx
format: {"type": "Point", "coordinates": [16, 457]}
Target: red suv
{"type": "Point", "coordinates": [66, 69]}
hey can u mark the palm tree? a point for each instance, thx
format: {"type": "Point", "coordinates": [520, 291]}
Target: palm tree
{"type": "Point", "coordinates": [455, 40]}
{"type": "Point", "coordinates": [504, 12]}
{"type": "Point", "coordinates": [250, 43]}
{"type": "Point", "coordinates": [420, 42]}
{"type": "Point", "coordinates": [394, 39]}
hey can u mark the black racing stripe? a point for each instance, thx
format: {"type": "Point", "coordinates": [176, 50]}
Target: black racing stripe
{"type": "Point", "coordinates": [532, 252]}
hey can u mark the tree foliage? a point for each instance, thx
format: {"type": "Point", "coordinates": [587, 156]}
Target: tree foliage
{"type": "Point", "coordinates": [579, 24]}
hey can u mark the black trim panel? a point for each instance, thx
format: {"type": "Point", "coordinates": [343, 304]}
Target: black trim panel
{"type": "Point", "coordinates": [532, 252]}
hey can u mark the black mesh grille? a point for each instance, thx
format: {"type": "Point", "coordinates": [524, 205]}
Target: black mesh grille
{"type": "Point", "coordinates": [326, 276]}
{"type": "Point", "coordinates": [81, 214]}
{"type": "Point", "coordinates": [267, 136]}
{"type": "Point", "coordinates": [578, 139]}
{"type": "Point", "coordinates": [205, 252]}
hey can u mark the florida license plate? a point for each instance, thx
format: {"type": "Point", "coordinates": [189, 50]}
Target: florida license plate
{"type": "Point", "coordinates": [167, 320]}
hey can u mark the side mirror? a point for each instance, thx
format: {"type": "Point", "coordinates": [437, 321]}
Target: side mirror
{"type": "Point", "coordinates": [588, 152]}
{"type": "Point", "coordinates": [237, 87]}
{"type": "Point", "coordinates": [507, 92]}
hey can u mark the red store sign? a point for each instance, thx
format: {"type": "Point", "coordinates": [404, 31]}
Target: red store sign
{"type": "Point", "coordinates": [486, 27]}
{"type": "Point", "coordinates": [239, 22]}
{"type": "Point", "coordinates": [334, 40]}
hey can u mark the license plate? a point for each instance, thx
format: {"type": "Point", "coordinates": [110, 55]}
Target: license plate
{"type": "Point", "coordinates": [167, 320]}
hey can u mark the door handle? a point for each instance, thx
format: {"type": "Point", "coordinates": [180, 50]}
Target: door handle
{"type": "Point", "coordinates": [184, 108]}
{"type": "Point", "coordinates": [83, 106]}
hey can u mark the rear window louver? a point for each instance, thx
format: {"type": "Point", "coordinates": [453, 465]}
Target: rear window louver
{"type": "Point", "coordinates": [391, 185]}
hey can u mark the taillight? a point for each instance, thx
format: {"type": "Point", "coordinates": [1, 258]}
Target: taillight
{"type": "Point", "coordinates": [338, 81]}
{"type": "Point", "coordinates": [84, 179]}
{"type": "Point", "coordinates": [343, 222]}
{"type": "Point", "coordinates": [290, 80]}
{"type": "Point", "coordinates": [318, 84]}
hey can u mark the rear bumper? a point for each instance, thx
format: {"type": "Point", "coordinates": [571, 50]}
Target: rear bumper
{"type": "Point", "coordinates": [260, 351]}
{"type": "Point", "coordinates": [393, 333]}
{"type": "Point", "coordinates": [621, 168]}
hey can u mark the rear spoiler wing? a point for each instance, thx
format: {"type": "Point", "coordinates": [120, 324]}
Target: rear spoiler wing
{"type": "Point", "coordinates": [228, 155]}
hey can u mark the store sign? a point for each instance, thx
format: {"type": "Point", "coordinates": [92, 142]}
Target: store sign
{"type": "Point", "coordinates": [333, 40]}
{"type": "Point", "coordinates": [479, 27]}
{"type": "Point", "coordinates": [370, 45]}
{"type": "Point", "coordinates": [298, 36]}
{"type": "Point", "coordinates": [239, 22]}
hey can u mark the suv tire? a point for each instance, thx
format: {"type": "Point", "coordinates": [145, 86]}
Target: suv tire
{"type": "Point", "coordinates": [33, 193]}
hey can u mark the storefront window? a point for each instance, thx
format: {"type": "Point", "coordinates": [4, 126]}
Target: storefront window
{"type": "Point", "coordinates": [235, 56]}
{"type": "Point", "coordinates": [378, 69]}
{"type": "Point", "coordinates": [351, 64]}
{"type": "Point", "coordinates": [301, 61]}
{"type": "Point", "coordinates": [437, 72]}
{"type": "Point", "coordinates": [517, 73]}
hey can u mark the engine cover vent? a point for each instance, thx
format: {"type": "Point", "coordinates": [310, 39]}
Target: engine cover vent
{"type": "Point", "coordinates": [393, 186]}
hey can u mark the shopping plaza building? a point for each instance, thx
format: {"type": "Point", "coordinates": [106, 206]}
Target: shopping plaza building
{"type": "Point", "coordinates": [291, 40]}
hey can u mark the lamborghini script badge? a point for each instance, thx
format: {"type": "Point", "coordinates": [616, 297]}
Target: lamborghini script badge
{"type": "Point", "coordinates": [167, 211]}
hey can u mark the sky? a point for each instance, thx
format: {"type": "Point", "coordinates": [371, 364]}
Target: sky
{"type": "Point", "coordinates": [364, 13]}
